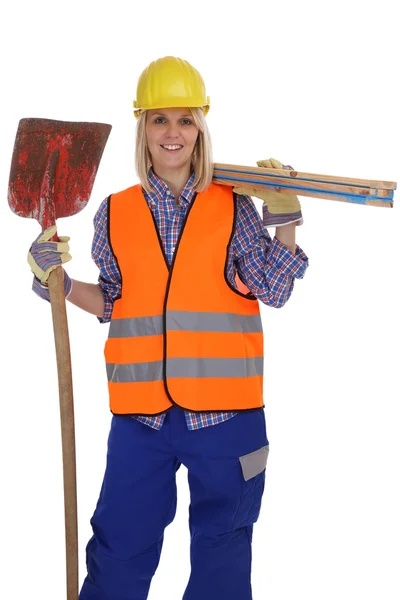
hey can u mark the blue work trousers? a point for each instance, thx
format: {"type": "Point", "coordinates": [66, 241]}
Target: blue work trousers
{"type": "Point", "coordinates": [226, 474]}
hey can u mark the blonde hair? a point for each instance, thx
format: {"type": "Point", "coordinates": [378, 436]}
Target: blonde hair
{"type": "Point", "coordinates": [201, 161]}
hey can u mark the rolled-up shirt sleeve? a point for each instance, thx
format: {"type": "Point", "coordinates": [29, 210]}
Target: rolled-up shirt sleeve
{"type": "Point", "coordinates": [266, 266]}
{"type": "Point", "coordinates": [109, 276]}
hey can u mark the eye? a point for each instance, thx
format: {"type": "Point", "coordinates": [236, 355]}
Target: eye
{"type": "Point", "coordinates": [186, 121]}
{"type": "Point", "coordinates": [159, 119]}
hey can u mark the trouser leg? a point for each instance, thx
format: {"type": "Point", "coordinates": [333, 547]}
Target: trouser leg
{"type": "Point", "coordinates": [226, 473]}
{"type": "Point", "coordinates": [137, 501]}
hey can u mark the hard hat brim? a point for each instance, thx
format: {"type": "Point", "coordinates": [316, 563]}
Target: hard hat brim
{"type": "Point", "coordinates": [141, 110]}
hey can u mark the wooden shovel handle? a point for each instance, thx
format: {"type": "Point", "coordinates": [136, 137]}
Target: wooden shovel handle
{"type": "Point", "coordinates": [61, 338]}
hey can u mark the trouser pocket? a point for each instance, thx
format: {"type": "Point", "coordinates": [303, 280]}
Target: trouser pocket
{"type": "Point", "coordinates": [254, 463]}
{"type": "Point", "coordinates": [253, 467]}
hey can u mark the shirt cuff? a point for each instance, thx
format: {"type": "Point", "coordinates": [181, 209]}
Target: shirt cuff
{"type": "Point", "coordinates": [277, 220]}
{"type": "Point", "coordinates": [280, 257]}
{"type": "Point", "coordinates": [108, 308]}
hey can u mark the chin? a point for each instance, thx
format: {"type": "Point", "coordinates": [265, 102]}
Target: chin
{"type": "Point", "coordinates": [175, 162]}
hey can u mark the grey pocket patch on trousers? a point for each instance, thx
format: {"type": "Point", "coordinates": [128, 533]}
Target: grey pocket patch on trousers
{"type": "Point", "coordinates": [254, 463]}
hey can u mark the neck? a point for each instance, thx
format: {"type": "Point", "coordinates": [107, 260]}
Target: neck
{"type": "Point", "coordinates": [175, 179]}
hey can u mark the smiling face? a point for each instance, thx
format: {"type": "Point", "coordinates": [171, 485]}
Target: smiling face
{"type": "Point", "coordinates": [171, 137]}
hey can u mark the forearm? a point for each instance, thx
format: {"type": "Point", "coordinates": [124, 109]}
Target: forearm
{"type": "Point", "coordinates": [87, 296]}
{"type": "Point", "coordinates": [287, 235]}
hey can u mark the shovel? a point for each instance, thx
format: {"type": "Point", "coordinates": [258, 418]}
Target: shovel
{"type": "Point", "coordinates": [53, 168]}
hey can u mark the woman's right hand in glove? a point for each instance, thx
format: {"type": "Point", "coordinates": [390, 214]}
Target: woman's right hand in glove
{"type": "Point", "coordinates": [44, 256]}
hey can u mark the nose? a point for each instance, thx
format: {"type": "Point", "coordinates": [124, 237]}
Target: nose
{"type": "Point", "coordinates": [173, 130]}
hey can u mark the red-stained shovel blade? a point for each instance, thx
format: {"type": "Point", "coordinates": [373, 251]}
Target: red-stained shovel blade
{"type": "Point", "coordinates": [80, 146]}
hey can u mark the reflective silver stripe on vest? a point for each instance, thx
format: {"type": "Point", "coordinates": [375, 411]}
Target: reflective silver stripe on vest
{"type": "Point", "coordinates": [140, 326]}
{"type": "Point", "coordinates": [215, 367]}
{"type": "Point", "coordinates": [214, 322]}
{"type": "Point", "coordinates": [178, 320]}
{"type": "Point", "coordinates": [186, 367]}
{"type": "Point", "coordinates": [148, 371]}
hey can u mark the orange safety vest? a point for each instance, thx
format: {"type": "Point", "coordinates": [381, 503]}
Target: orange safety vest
{"type": "Point", "coordinates": [180, 334]}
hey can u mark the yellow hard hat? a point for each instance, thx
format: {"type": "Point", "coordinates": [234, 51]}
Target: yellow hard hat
{"type": "Point", "coordinates": [170, 82]}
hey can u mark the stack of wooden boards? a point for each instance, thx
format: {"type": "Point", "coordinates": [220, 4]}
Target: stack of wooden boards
{"type": "Point", "coordinates": [287, 181]}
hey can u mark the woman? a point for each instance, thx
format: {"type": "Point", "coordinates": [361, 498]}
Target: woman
{"type": "Point", "coordinates": [183, 263]}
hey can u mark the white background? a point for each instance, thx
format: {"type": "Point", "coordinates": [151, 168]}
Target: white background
{"type": "Point", "coordinates": [314, 85]}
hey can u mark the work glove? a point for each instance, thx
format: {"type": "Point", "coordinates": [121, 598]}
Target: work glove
{"type": "Point", "coordinates": [280, 209]}
{"type": "Point", "coordinates": [44, 256]}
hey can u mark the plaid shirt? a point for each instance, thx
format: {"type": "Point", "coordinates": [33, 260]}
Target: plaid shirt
{"type": "Point", "coordinates": [266, 266]}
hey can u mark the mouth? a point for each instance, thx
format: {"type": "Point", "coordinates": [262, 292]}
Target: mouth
{"type": "Point", "coordinates": [171, 148]}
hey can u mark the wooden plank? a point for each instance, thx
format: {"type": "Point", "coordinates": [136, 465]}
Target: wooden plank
{"type": "Point", "coordinates": [297, 186]}
{"type": "Point", "coordinates": [364, 201]}
{"type": "Point", "coordinates": [353, 199]}
{"type": "Point", "coordinates": [293, 174]}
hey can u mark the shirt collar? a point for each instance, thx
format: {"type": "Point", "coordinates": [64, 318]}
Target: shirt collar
{"type": "Point", "coordinates": [160, 189]}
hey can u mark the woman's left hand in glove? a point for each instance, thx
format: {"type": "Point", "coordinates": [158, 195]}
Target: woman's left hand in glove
{"type": "Point", "coordinates": [281, 209]}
